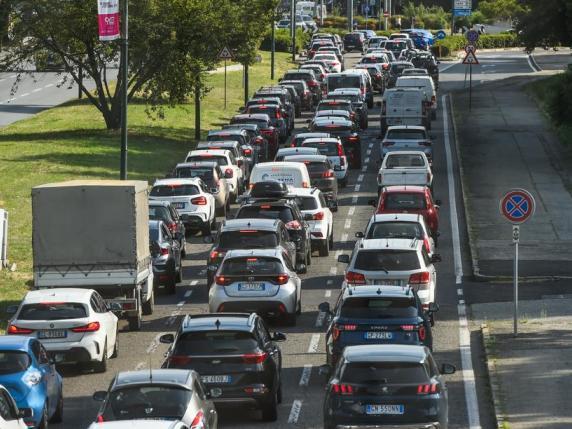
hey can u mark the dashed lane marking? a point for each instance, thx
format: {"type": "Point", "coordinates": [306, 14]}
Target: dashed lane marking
{"type": "Point", "coordinates": [460, 292]}
{"type": "Point", "coordinates": [368, 152]}
{"type": "Point", "coordinates": [37, 89]}
{"type": "Point", "coordinates": [320, 319]}
{"type": "Point", "coordinates": [188, 294]}
{"type": "Point", "coordinates": [329, 282]}
{"type": "Point", "coordinates": [49, 85]}
{"type": "Point", "coordinates": [344, 237]}
{"type": "Point", "coordinates": [314, 341]}
{"type": "Point", "coordinates": [305, 377]}
{"type": "Point", "coordinates": [180, 303]}
{"type": "Point", "coordinates": [351, 211]}
{"type": "Point", "coordinates": [366, 160]}
{"type": "Point", "coordinates": [354, 199]}
{"type": "Point", "coordinates": [348, 224]}
{"type": "Point", "coordinates": [24, 94]}
{"type": "Point", "coordinates": [328, 293]}
{"type": "Point", "coordinates": [194, 282]}
{"type": "Point", "coordinates": [357, 187]}
{"type": "Point", "coordinates": [333, 271]}
{"type": "Point", "coordinates": [295, 411]}
{"type": "Point", "coordinates": [139, 366]}
{"type": "Point", "coordinates": [360, 178]}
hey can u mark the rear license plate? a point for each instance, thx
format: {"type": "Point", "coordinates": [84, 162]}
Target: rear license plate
{"type": "Point", "coordinates": [385, 409]}
{"type": "Point", "coordinates": [218, 379]}
{"type": "Point", "coordinates": [387, 282]}
{"type": "Point", "coordinates": [378, 335]}
{"type": "Point", "coordinates": [255, 287]}
{"type": "Point", "coordinates": [53, 333]}
{"type": "Point", "coordinates": [178, 205]}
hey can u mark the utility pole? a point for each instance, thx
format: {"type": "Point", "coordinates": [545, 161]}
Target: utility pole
{"type": "Point", "coordinates": [125, 83]}
{"type": "Point", "coordinates": [386, 23]}
{"type": "Point", "coordinates": [453, 18]}
{"type": "Point", "coordinates": [321, 13]}
{"type": "Point", "coordinates": [198, 111]}
{"type": "Point", "coordinates": [351, 15]}
{"type": "Point", "coordinates": [273, 45]}
{"type": "Point", "coordinates": [246, 91]}
{"type": "Point", "coordinates": [293, 27]}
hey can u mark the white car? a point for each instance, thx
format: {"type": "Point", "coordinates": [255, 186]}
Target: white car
{"type": "Point", "coordinates": [283, 152]}
{"type": "Point", "coordinates": [319, 217]}
{"type": "Point", "coordinates": [333, 148]}
{"type": "Point", "coordinates": [139, 424]}
{"type": "Point", "coordinates": [426, 84]}
{"type": "Point", "coordinates": [191, 198]}
{"type": "Point", "coordinates": [10, 416]}
{"type": "Point", "coordinates": [227, 162]}
{"type": "Point", "coordinates": [74, 325]}
{"type": "Point", "coordinates": [331, 60]}
{"type": "Point", "coordinates": [407, 167]}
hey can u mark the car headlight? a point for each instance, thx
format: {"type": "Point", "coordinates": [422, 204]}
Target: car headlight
{"type": "Point", "coordinates": [32, 378]}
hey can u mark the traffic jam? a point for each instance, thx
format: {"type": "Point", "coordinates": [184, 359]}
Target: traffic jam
{"type": "Point", "coordinates": [263, 193]}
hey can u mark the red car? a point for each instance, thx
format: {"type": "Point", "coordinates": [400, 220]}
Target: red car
{"type": "Point", "coordinates": [410, 199]}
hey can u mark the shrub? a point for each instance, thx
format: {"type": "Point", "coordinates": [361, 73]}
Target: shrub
{"type": "Point", "coordinates": [449, 45]}
{"type": "Point", "coordinates": [559, 99]}
{"type": "Point", "coordinates": [283, 41]}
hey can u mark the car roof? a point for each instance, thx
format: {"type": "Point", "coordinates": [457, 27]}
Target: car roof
{"type": "Point", "coordinates": [310, 158]}
{"type": "Point", "coordinates": [220, 143]}
{"type": "Point", "coordinates": [58, 295]}
{"type": "Point", "coordinates": [254, 223]}
{"type": "Point", "coordinates": [290, 151]}
{"type": "Point", "coordinates": [217, 152]}
{"type": "Point", "coordinates": [196, 164]}
{"type": "Point", "coordinates": [245, 253]}
{"type": "Point", "coordinates": [336, 101]}
{"type": "Point", "coordinates": [378, 291]}
{"type": "Point", "coordinates": [15, 342]}
{"type": "Point", "coordinates": [256, 116]}
{"type": "Point", "coordinates": [406, 127]}
{"type": "Point", "coordinates": [307, 135]}
{"type": "Point", "coordinates": [416, 77]}
{"type": "Point", "coordinates": [385, 353]}
{"type": "Point", "coordinates": [406, 152]}
{"type": "Point", "coordinates": [334, 120]}
{"type": "Point", "coordinates": [225, 132]}
{"type": "Point", "coordinates": [412, 189]}
{"type": "Point", "coordinates": [346, 91]}
{"type": "Point", "coordinates": [322, 140]}
{"type": "Point", "coordinates": [217, 321]}
{"type": "Point", "coordinates": [280, 164]}
{"type": "Point", "coordinates": [388, 243]}
{"type": "Point", "coordinates": [393, 217]}
{"type": "Point", "coordinates": [303, 192]}
{"type": "Point", "coordinates": [332, 112]}
{"type": "Point", "coordinates": [180, 377]}
{"type": "Point", "coordinates": [136, 424]}
{"type": "Point", "coordinates": [182, 181]}
{"type": "Point", "coordinates": [252, 127]}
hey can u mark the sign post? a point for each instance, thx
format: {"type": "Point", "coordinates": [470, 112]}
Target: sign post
{"type": "Point", "coordinates": [517, 206]}
{"type": "Point", "coordinates": [472, 37]}
{"type": "Point", "coordinates": [225, 55]}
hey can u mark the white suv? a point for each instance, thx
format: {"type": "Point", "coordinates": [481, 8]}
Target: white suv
{"type": "Point", "coordinates": [191, 198]}
{"type": "Point", "coordinates": [74, 325]}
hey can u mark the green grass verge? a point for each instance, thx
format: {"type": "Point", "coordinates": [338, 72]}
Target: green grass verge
{"type": "Point", "coordinates": [71, 142]}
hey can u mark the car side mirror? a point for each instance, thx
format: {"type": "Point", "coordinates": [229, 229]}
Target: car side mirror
{"type": "Point", "coordinates": [433, 308]}
{"type": "Point", "coordinates": [301, 268]}
{"type": "Point", "coordinates": [278, 337]}
{"type": "Point", "coordinates": [436, 258]}
{"type": "Point", "coordinates": [155, 248]}
{"type": "Point", "coordinates": [332, 205]}
{"type": "Point", "coordinates": [372, 203]}
{"type": "Point", "coordinates": [167, 339]}
{"type": "Point", "coordinates": [325, 370]}
{"type": "Point", "coordinates": [438, 202]}
{"type": "Point", "coordinates": [344, 259]}
{"type": "Point", "coordinates": [359, 234]}
{"type": "Point", "coordinates": [208, 239]}
{"type": "Point", "coordinates": [25, 413]}
{"type": "Point", "coordinates": [448, 368]}
{"type": "Point", "coordinates": [99, 396]}
{"type": "Point", "coordinates": [308, 217]}
{"type": "Point", "coordinates": [11, 310]}
{"type": "Point", "coordinates": [324, 307]}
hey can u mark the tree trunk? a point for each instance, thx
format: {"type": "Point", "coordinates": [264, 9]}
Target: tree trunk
{"type": "Point", "coordinates": [112, 116]}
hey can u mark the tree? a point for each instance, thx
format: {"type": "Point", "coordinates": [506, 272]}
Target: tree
{"type": "Point", "coordinates": [500, 9]}
{"type": "Point", "coordinates": [546, 23]}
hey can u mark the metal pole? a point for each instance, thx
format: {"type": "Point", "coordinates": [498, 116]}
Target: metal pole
{"type": "Point", "coordinates": [321, 13]}
{"type": "Point", "coordinates": [515, 289]}
{"type": "Point", "coordinates": [453, 18]}
{"type": "Point", "coordinates": [225, 84]}
{"type": "Point", "coordinates": [124, 57]}
{"type": "Point", "coordinates": [198, 112]}
{"type": "Point", "coordinates": [351, 15]}
{"type": "Point", "coordinates": [245, 84]}
{"type": "Point", "coordinates": [272, 48]}
{"type": "Point", "coordinates": [386, 23]}
{"type": "Point", "coordinates": [293, 27]}
{"type": "Point", "coordinates": [79, 87]}
{"type": "Point", "coordinates": [470, 85]}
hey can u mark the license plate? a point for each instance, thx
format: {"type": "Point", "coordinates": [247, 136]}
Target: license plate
{"type": "Point", "coordinates": [378, 335]}
{"type": "Point", "coordinates": [255, 287]}
{"type": "Point", "coordinates": [53, 333]}
{"type": "Point", "coordinates": [218, 379]}
{"type": "Point", "coordinates": [178, 205]}
{"type": "Point", "coordinates": [388, 282]}
{"type": "Point", "coordinates": [385, 409]}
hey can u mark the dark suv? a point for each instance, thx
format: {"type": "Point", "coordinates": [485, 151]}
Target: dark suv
{"type": "Point", "coordinates": [248, 234]}
{"type": "Point", "coordinates": [163, 210]}
{"type": "Point", "coordinates": [166, 257]}
{"type": "Point", "coordinates": [237, 357]}
{"type": "Point", "coordinates": [354, 42]}
{"type": "Point", "coordinates": [289, 213]}
{"type": "Point", "coordinates": [346, 131]}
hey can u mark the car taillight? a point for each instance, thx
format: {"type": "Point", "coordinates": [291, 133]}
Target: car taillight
{"type": "Point", "coordinates": [422, 333]}
{"type": "Point", "coordinates": [223, 280]}
{"type": "Point", "coordinates": [281, 279]}
{"type": "Point", "coordinates": [229, 173]}
{"type": "Point", "coordinates": [421, 278]}
{"type": "Point", "coordinates": [90, 327]}
{"type": "Point", "coordinates": [306, 92]}
{"type": "Point", "coordinates": [278, 114]}
{"type": "Point", "coordinates": [340, 149]}
{"type": "Point", "coordinates": [305, 184]}
{"type": "Point", "coordinates": [254, 358]}
{"type": "Point", "coordinates": [342, 389]}
{"type": "Point", "coordinates": [172, 226]}
{"type": "Point", "coordinates": [337, 329]}
{"type": "Point", "coordinates": [427, 389]}
{"type": "Point", "coordinates": [179, 360]}
{"type": "Point", "coordinates": [248, 151]}
{"type": "Point", "coordinates": [377, 77]}
{"type": "Point", "coordinates": [328, 174]}
{"type": "Point", "coordinates": [259, 140]}
{"type": "Point", "coordinates": [216, 254]}
{"type": "Point", "coordinates": [312, 83]}
{"type": "Point", "coordinates": [199, 201]}
{"type": "Point", "coordinates": [362, 91]}
{"type": "Point", "coordinates": [16, 330]}
{"type": "Point", "coordinates": [199, 421]}
{"type": "Point", "coordinates": [322, 76]}
{"type": "Point", "coordinates": [433, 99]}
{"type": "Point", "coordinates": [353, 138]}
{"type": "Point", "coordinates": [294, 225]}
{"type": "Point", "coordinates": [427, 244]}
{"type": "Point", "coordinates": [318, 216]}
{"type": "Point", "coordinates": [388, 143]}
{"type": "Point", "coordinates": [355, 278]}
{"type": "Point", "coordinates": [164, 251]}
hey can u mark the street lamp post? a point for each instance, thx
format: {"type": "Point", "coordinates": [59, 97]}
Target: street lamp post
{"type": "Point", "coordinates": [273, 45]}
{"type": "Point", "coordinates": [125, 84]}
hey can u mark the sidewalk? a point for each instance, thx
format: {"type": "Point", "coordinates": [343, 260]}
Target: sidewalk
{"type": "Point", "coordinates": [505, 142]}
{"type": "Point", "coordinates": [531, 374]}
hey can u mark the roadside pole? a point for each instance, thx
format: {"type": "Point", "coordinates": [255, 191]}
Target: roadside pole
{"type": "Point", "coordinates": [79, 87]}
{"type": "Point", "coordinates": [272, 46]}
{"type": "Point", "coordinates": [470, 85]}
{"type": "Point", "coordinates": [321, 13]}
{"type": "Point", "coordinates": [125, 83]}
{"type": "Point", "coordinates": [515, 240]}
{"type": "Point", "coordinates": [225, 54]}
{"type": "Point", "coordinates": [246, 91]}
{"type": "Point", "coordinates": [293, 27]}
{"type": "Point", "coordinates": [197, 111]}
{"type": "Point", "coordinates": [472, 37]}
{"type": "Point", "coordinates": [350, 6]}
{"type": "Point", "coordinates": [225, 84]}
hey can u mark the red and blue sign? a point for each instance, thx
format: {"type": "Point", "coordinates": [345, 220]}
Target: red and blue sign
{"type": "Point", "coordinates": [517, 206]}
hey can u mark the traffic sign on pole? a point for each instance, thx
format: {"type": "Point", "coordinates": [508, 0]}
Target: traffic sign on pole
{"type": "Point", "coordinates": [225, 54]}
{"type": "Point", "coordinates": [386, 14]}
{"type": "Point", "coordinates": [470, 48]}
{"type": "Point", "coordinates": [517, 206]}
{"type": "Point", "coordinates": [470, 58]}
{"type": "Point", "coordinates": [472, 36]}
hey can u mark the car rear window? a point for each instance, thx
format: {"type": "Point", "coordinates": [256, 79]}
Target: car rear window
{"type": "Point", "coordinates": [377, 308]}
{"type": "Point", "coordinates": [189, 172]}
{"type": "Point", "coordinates": [269, 110]}
{"type": "Point", "coordinates": [226, 137]}
{"type": "Point", "coordinates": [316, 168]}
{"type": "Point", "coordinates": [220, 160]}
{"type": "Point", "coordinates": [384, 373]}
{"type": "Point", "coordinates": [260, 122]}
{"type": "Point", "coordinates": [298, 76]}
{"type": "Point", "coordinates": [405, 160]}
{"type": "Point", "coordinates": [159, 213]}
{"type": "Point", "coordinates": [248, 239]}
{"type": "Point", "coordinates": [404, 201]}
{"type": "Point", "coordinates": [372, 60]}
{"type": "Point", "coordinates": [215, 343]}
{"type": "Point", "coordinates": [351, 98]}
{"type": "Point", "coordinates": [174, 190]}
{"type": "Point", "coordinates": [352, 37]}
{"type": "Point", "coordinates": [52, 311]}
{"type": "Point", "coordinates": [335, 82]}
{"type": "Point", "coordinates": [307, 203]}
{"type": "Point", "coordinates": [395, 230]}
{"type": "Point", "coordinates": [406, 135]}
{"type": "Point", "coordinates": [333, 106]}
{"type": "Point", "coordinates": [335, 130]}
{"type": "Point", "coordinates": [395, 46]}
{"type": "Point", "coordinates": [153, 234]}
{"type": "Point", "coordinates": [327, 149]}
{"type": "Point", "coordinates": [266, 212]}
{"type": "Point", "coordinates": [12, 362]}
{"type": "Point", "coordinates": [251, 265]}
{"type": "Point", "coordinates": [388, 259]}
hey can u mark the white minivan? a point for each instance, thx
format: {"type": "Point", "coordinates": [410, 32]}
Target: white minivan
{"type": "Point", "coordinates": [294, 174]}
{"type": "Point", "coordinates": [404, 106]}
{"type": "Point", "coordinates": [425, 83]}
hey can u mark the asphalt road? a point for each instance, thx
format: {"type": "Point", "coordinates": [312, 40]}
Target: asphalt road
{"type": "Point", "coordinates": [304, 351]}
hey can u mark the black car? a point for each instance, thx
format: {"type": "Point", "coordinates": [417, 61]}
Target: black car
{"type": "Point", "coordinates": [357, 102]}
{"type": "Point", "coordinates": [264, 123]}
{"type": "Point", "coordinates": [166, 256]}
{"type": "Point", "coordinates": [257, 139]}
{"type": "Point", "coordinates": [293, 90]}
{"type": "Point", "coordinates": [303, 92]}
{"type": "Point", "coordinates": [163, 210]}
{"type": "Point", "coordinates": [280, 92]}
{"type": "Point", "coordinates": [322, 175]}
{"type": "Point", "coordinates": [395, 70]}
{"type": "Point", "coordinates": [354, 42]}
{"type": "Point", "coordinates": [428, 62]}
{"type": "Point", "coordinates": [376, 315]}
{"type": "Point", "coordinates": [289, 213]}
{"type": "Point", "coordinates": [387, 385]}
{"type": "Point", "coordinates": [235, 354]}
{"type": "Point", "coordinates": [311, 80]}
{"type": "Point", "coordinates": [347, 132]}
{"type": "Point", "coordinates": [248, 234]}
{"type": "Point", "coordinates": [334, 103]}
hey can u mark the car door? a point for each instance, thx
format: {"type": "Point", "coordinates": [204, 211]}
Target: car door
{"type": "Point", "coordinates": [207, 405]}
{"type": "Point", "coordinates": [177, 220]}
{"type": "Point", "coordinates": [107, 318]}
{"type": "Point", "coordinates": [430, 266]}
{"type": "Point", "coordinates": [329, 215]}
{"type": "Point", "coordinates": [270, 347]}
{"type": "Point", "coordinates": [49, 374]}
{"type": "Point", "coordinates": [210, 197]}
{"type": "Point", "coordinates": [292, 273]}
{"type": "Point", "coordinates": [288, 244]}
{"type": "Point", "coordinates": [9, 413]}
{"type": "Point", "coordinates": [173, 244]}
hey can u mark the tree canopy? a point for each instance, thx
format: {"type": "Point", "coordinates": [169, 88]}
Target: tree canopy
{"type": "Point", "coordinates": [548, 22]}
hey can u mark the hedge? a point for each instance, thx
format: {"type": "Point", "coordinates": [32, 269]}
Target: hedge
{"type": "Point", "coordinates": [450, 44]}
{"type": "Point", "coordinates": [283, 41]}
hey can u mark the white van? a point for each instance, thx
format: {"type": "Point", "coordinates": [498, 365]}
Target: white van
{"type": "Point", "coordinates": [293, 174]}
{"type": "Point", "coordinates": [404, 106]}
{"type": "Point", "coordinates": [425, 83]}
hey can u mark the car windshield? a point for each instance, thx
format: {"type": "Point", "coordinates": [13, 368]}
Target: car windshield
{"type": "Point", "coordinates": [205, 173]}
{"type": "Point", "coordinates": [248, 239]}
{"type": "Point", "coordinates": [266, 212]}
{"type": "Point", "coordinates": [404, 201]}
{"type": "Point", "coordinates": [354, 98]}
{"type": "Point", "coordinates": [226, 137]}
{"type": "Point", "coordinates": [395, 229]}
{"type": "Point", "coordinates": [12, 362]}
{"type": "Point", "coordinates": [215, 343]}
{"type": "Point", "coordinates": [147, 402]}
{"type": "Point", "coordinates": [378, 308]}
{"type": "Point", "coordinates": [52, 311]}
{"type": "Point", "coordinates": [251, 265]}
{"type": "Point", "coordinates": [271, 111]}
{"type": "Point", "coordinates": [387, 259]}
{"type": "Point", "coordinates": [343, 81]}
{"type": "Point", "coordinates": [174, 190]}
{"type": "Point", "coordinates": [405, 134]}
{"type": "Point", "coordinates": [220, 160]}
{"type": "Point", "coordinates": [327, 149]}
{"type": "Point", "coordinates": [352, 37]}
{"type": "Point", "coordinates": [262, 123]}
{"type": "Point", "coordinates": [384, 372]}
{"type": "Point", "coordinates": [159, 213]}
{"type": "Point", "coordinates": [405, 160]}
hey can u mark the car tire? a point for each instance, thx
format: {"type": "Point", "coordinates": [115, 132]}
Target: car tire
{"type": "Point", "coordinates": [101, 366]}
{"type": "Point", "coordinates": [309, 256]}
{"type": "Point", "coordinates": [331, 241]}
{"type": "Point", "coordinates": [58, 415]}
{"type": "Point", "coordinates": [370, 103]}
{"type": "Point", "coordinates": [180, 272]}
{"type": "Point", "coordinates": [148, 307]}
{"type": "Point", "coordinates": [324, 248]}
{"type": "Point", "coordinates": [279, 394]}
{"type": "Point", "coordinates": [433, 115]}
{"type": "Point", "coordinates": [115, 353]}
{"type": "Point", "coordinates": [270, 409]}
{"type": "Point", "coordinates": [290, 319]}
{"type": "Point", "coordinates": [171, 286]}
{"type": "Point", "coordinates": [299, 305]}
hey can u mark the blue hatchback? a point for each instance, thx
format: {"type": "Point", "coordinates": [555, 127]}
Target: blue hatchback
{"type": "Point", "coordinates": [31, 379]}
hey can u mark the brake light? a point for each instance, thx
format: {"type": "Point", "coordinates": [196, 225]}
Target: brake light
{"type": "Point", "coordinates": [16, 330]}
{"type": "Point", "coordinates": [383, 107]}
{"type": "Point", "coordinates": [342, 389]}
{"type": "Point", "coordinates": [259, 140]}
{"type": "Point", "coordinates": [427, 389]}
{"type": "Point", "coordinates": [422, 333]}
{"type": "Point", "coordinates": [353, 138]}
{"type": "Point", "coordinates": [90, 327]}
{"type": "Point", "coordinates": [305, 184]}
{"type": "Point", "coordinates": [327, 174]}
{"type": "Point", "coordinates": [215, 254]}
{"type": "Point", "coordinates": [421, 278]}
{"type": "Point", "coordinates": [312, 83]}
{"type": "Point", "coordinates": [388, 143]}
{"type": "Point", "coordinates": [282, 279]}
{"type": "Point", "coordinates": [294, 225]}
{"type": "Point", "coordinates": [355, 278]}
{"type": "Point", "coordinates": [164, 251]}
{"type": "Point", "coordinates": [408, 327]}
{"type": "Point", "coordinates": [248, 151]}
{"type": "Point", "coordinates": [172, 226]}
{"type": "Point", "coordinates": [222, 280]}
{"type": "Point", "coordinates": [340, 149]}
{"type": "Point", "coordinates": [254, 358]}
{"type": "Point", "coordinates": [199, 421]}
{"type": "Point", "coordinates": [318, 216]}
{"type": "Point", "coordinates": [278, 114]}
{"type": "Point", "coordinates": [199, 201]}
{"type": "Point", "coordinates": [322, 76]}
{"type": "Point", "coordinates": [179, 360]}
{"type": "Point", "coordinates": [427, 244]}
{"type": "Point", "coordinates": [228, 173]}
{"type": "Point", "coordinates": [99, 420]}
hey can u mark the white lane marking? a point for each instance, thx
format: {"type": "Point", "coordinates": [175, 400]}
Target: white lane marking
{"type": "Point", "coordinates": [180, 303]}
{"type": "Point", "coordinates": [351, 211]}
{"type": "Point", "coordinates": [348, 224]}
{"type": "Point", "coordinates": [49, 85]}
{"type": "Point", "coordinates": [295, 411]}
{"type": "Point", "coordinates": [333, 271]}
{"type": "Point", "coordinates": [360, 178]}
{"type": "Point", "coordinates": [24, 94]}
{"type": "Point", "coordinates": [528, 59]}
{"type": "Point", "coordinates": [357, 187]}
{"type": "Point", "coordinates": [329, 282]}
{"type": "Point", "coordinates": [320, 319]}
{"type": "Point", "coordinates": [314, 341]}
{"type": "Point", "coordinates": [328, 293]}
{"type": "Point", "coordinates": [366, 160]}
{"type": "Point", "coordinates": [354, 199]}
{"type": "Point", "coordinates": [154, 344]}
{"type": "Point", "coordinates": [460, 292]}
{"type": "Point", "coordinates": [462, 301]}
{"type": "Point", "coordinates": [344, 237]}
{"type": "Point", "coordinates": [305, 377]}
{"type": "Point", "coordinates": [464, 333]}
{"type": "Point", "coordinates": [37, 89]}
{"type": "Point", "coordinates": [368, 152]}
{"type": "Point", "coordinates": [2, 80]}
{"type": "Point", "coordinates": [448, 67]}
{"type": "Point", "coordinates": [202, 272]}
{"type": "Point", "coordinates": [452, 199]}
{"type": "Point", "coordinates": [14, 76]}
{"type": "Point", "coordinates": [370, 145]}
{"type": "Point", "coordinates": [194, 282]}
{"type": "Point", "coordinates": [364, 169]}
{"type": "Point", "coordinates": [139, 366]}
{"type": "Point", "coordinates": [187, 294]}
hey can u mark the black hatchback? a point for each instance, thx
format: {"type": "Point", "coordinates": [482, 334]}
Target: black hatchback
{"type": "Point", "coordinates": [237, 357]}
{"type": "Point", "coordinates": [387, 386]}
{"type": "Point", "coordinates": [354, 42]}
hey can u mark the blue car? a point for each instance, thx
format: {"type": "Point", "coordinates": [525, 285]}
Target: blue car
{"type": "Point", "coordinates": [32, 379]}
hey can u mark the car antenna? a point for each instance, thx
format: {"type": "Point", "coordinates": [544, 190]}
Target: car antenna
{"type": "Point", "coordinates": [378, 291]}
{"type": "Point", "coordinates": [150, 368]}
{"type": "Point", "coordinates": [217, 324]}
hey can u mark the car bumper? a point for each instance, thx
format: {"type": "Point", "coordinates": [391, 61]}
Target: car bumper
{"type": "Point", "coordinates": [83, 351]}
{"type": "Point", "coordinates": [194, 220]}
{"type": "Point", "coordinates": [275, 306]}
{"type": "Point", "coordinates": [161, 274]}
{"type": "Point", "coordinates": [318, 232]}
{"type": "Point", "coordinates": [433, 425]}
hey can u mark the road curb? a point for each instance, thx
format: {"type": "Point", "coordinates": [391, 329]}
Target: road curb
{"type": "Point", "coordinates": [494, 384]}
{"type": "Point", "coordinates": [461, 53]}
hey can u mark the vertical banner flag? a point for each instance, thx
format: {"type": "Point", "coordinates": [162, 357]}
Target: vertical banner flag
{"type": "Point", "coordinates": [108, 19]}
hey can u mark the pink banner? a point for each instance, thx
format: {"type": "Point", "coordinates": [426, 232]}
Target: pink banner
{"type": "Point", "coordinates": [108, 19]}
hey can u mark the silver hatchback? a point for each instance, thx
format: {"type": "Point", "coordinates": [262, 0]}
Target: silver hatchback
{"type": "Point", "coordinates": [259, 281]}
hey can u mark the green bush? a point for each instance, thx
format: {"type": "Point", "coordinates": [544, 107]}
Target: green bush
{"type": "Point", "coordinates": [451, 44]}
{"type": "Point", "coordinates": [283, 41]}
{"type": "Point", "coordinates": [559, 100]}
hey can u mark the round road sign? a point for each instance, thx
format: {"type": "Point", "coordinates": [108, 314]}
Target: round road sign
{"type": "Point", "coordinates": [472, 36]}
{"type": "Point", "coordinates": [441, 35]}
{"type": "Point", "coordinates": [517, 206]}
{"type": "Point", "coordinates": [470, 48]}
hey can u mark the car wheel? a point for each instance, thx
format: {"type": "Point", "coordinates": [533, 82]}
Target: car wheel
{"type": "Point", "coordinates": [116, 346]}
{"type": "Point", "coordinates": [309, 256]}
{"type": "Point", "coordinates": [365, 124]}
{"type": "Point", "coordinates": [299, 306]}
{"type": "Point", "coordinates": [58, 415]}
{"type": "Point", "coordinates": [148, 307]}
{"type": "Point", "coordinates": [270, 409]}
{"type": "Point", "coordinates": [171, 285]}
{"type": "Point", "coordinates": [324, 248]}
{"type": "Point", "coordinates": [101, 366]}
{"type": "Point", "coordinates": [44, 422]}
{"type": "Point", "coordinates": [290, 319]}
{"type": "Point", "coordinates": [331, 241]}
{"type": "Point", "coordinates": [433, 115]}
{"type": "Point", "coordinates": [370, 103]}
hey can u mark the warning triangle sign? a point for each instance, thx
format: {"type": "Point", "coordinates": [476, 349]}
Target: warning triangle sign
{"type": "Point", "coordinates": [225, 54]}
{"type": "Point", "coordinates": [470, 58]}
